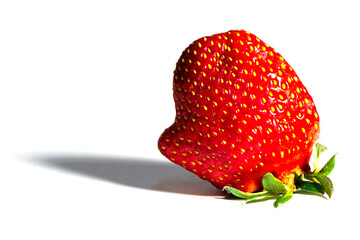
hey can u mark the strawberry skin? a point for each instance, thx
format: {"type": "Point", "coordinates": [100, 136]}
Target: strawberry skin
{"type": "Point", "coordinates": [241, 111]}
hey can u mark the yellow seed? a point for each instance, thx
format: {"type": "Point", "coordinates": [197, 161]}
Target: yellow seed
{"type": "Point", "coordinates": [282, 154]}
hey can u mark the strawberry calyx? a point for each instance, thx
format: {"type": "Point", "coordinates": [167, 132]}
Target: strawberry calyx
{"type": "Point", "coordinates": [315, 183]}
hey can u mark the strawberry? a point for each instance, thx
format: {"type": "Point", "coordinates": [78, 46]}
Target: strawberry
{"type": "Point", "coordinates": [241, 112]}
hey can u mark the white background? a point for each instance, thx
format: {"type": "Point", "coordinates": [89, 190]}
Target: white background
{"type": "Point", "coordinates": [86, 90]}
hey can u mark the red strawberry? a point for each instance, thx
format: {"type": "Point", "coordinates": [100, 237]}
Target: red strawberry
{"type": "Point", "coordinates": [241, 112]}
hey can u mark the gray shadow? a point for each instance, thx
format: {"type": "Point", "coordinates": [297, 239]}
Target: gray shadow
{"type": "Point", "coordinates": [130, 171]}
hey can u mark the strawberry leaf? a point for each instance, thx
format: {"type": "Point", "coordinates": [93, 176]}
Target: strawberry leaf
{"type": "Point", "coordinates": [329, 166]}
{"type": "Point", "coordinates": [281, 200]}
{"type": "Point", "coordinates": [272, 184]}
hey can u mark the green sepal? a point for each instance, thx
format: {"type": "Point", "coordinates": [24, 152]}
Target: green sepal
{"type": "Point", "coordinates": [324, 181]}
{"type": "Point", "coordinates": [319, 150]}
{"type": "Point", "coordinates": [261, 198]}
{"type": "Point", "coordinates": [329, 166]}
{"type": "Point", "coordinates": [281, 200]}
{"type": "Point", "coordinates": [307, 192]}
{"type": "Point", "coordinates": [240, 194]}
{"type": "Point", "coordinates": [272, 184]}
{"type": "Point", "coordinates": [311, 183]}
{"type": "Point", "coordinates": [229, 196]}
{"type": "Point", "coordinates": [311, 186]}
